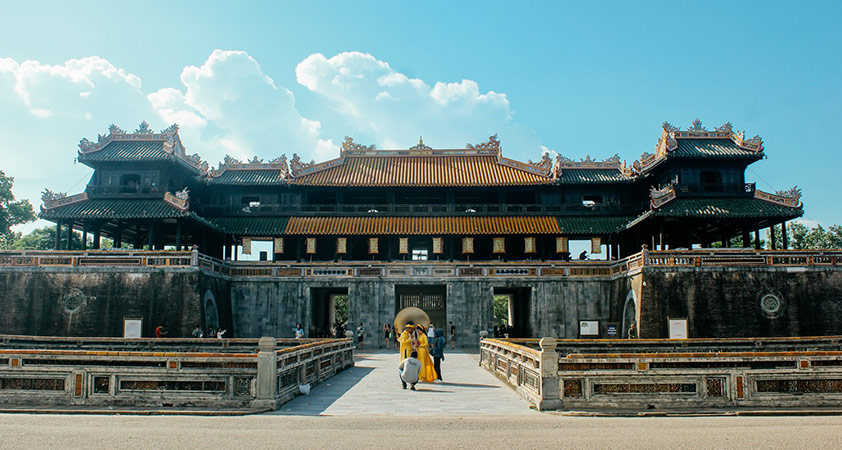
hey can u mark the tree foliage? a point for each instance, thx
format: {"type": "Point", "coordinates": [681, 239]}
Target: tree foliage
{"type": "Point", "coordinates": [501, 310]}
{"type": "Point", "coordinates": [802, 237]}
{"type": "Point", "coordinates": [11, 212]}
{"type": "Point", "coordinates": [45, 239]}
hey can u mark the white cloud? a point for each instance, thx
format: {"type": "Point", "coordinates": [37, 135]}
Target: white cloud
{"type": "Point", "coordinates": [228, 105]}
{"type": "Point", "coordinates": [394, 109]}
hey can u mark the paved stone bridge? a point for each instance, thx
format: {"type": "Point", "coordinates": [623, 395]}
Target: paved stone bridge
{"type": "Point", "coordinates": [372, 387]}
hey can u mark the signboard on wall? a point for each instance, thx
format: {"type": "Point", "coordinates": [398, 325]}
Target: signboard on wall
{"type": "Point", "coordinates": [132, 328]}
{"type": "Point", "coordinates": [612, 330]}
{"type": "Point", "coordinates": [677, 328]}
{"type": "Point", "coordinates": [588, 328]}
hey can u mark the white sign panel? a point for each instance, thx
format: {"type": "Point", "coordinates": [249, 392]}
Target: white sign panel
{"type": "Point", "coordinates": [588, 328]}
{"type": "Point", "coordinates": [678, 328]}
{"type": "Point", "coordinates": [132, 328]}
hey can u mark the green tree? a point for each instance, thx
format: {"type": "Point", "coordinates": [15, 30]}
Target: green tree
{"type": "Point", "coordinates": [45, 239]}
{"type": "Point", "coordinates": [802, 237]}
{"type": "Point", "coordinates": [341, 308]}
{"type": "Point", "coordinates": [11, 212]}
{"type": "Point", "coordinates": [501, 310]}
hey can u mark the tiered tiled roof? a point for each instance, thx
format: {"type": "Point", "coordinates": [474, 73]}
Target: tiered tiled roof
{"type": "Point", "coordinates": [725, 207]}
{"type": "Point", "coordinates": [142, 145]}
{"type": "Point", "coordinates": [252, 226]}
{"type": "Point", "coordinates": [593, 225]}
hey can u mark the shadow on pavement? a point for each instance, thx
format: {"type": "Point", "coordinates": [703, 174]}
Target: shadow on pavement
{"type": "Point", "coordinates": [323, 395]}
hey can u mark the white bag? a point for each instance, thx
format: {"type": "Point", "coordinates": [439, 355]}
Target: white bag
{"type": "Point", "coordinates": [304, 388]}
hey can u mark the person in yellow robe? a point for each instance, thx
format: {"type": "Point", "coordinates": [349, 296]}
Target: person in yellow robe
{"type": "Point", "coordinates": [405, 340]}
{"type": "Point", "coordinates": [428, 371]}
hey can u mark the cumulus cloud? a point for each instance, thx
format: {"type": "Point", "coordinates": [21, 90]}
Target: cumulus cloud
{"type": "Point", "coordinates": [69, 90]}
{"type": "Point", "coordinates": [394, 109]}
{"type": "Point", "coordinates": [228, 105]}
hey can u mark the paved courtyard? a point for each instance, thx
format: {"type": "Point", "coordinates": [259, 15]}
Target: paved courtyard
{"type": "Point", "coordinates": [372, 387]}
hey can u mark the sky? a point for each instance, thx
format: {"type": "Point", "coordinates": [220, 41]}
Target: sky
{"type": "Point", "coordinates": [263, 79]}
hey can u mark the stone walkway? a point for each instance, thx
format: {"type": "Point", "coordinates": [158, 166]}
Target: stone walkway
{"type": "Point", "coordinates": [372, 387]}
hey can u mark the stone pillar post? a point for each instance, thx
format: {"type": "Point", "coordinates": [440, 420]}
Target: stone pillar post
{"type": "Point", "coordinates": [550, 386]}
{"type": "Point", "coordinates": [267, 374]}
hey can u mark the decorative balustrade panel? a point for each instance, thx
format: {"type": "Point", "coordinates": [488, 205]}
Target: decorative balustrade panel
{"type": "Point", "coordinates": [160, 372]}
{"type": "Point", "coordinates": [768, 372]}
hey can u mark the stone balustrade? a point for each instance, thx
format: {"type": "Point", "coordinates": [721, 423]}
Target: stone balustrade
{"type": "Point", "coordinates": [165, 372]}
{"type": "Point", "coordinates": [693, 373]}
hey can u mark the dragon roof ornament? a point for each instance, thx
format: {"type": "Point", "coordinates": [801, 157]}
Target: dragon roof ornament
{"type": "Point", "coordinates": [612, 162]}
{"type": "Point", "coordinates": [255, 163]}
{"type": "Point", "coordinates": [349, 147]}
{"type": "Point", "coordinates": [491, 146]}
{"type": "Point", "coordinates": [668, 141]}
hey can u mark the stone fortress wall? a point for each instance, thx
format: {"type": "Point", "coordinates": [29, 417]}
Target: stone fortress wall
{"type": "Point", "coordinates": [718, 301]}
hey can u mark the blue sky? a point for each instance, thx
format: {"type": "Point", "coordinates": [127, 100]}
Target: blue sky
{"type": "Point", "coordinates": [265, 78]}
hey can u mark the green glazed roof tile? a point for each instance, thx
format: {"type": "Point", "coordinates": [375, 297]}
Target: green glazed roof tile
{"type": "Point", "coordinates": [129, 151]}
{"type": "Point", "coordinates": [592, 225]}
{"type": "Point", "coordinates": [248, 177]}
{"type": "Point", "coordinates": [710, 148]}
{"type": "Point", "coordinates": [725, 208]}
{"type": "Point", "coordinates": [586, 176]}
{"type": "Point", "coordinates": [252, 226]}
{"type": "Point", "coordinates": [102, 208]}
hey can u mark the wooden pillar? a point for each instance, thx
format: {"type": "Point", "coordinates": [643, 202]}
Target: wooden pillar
{"type": "Point", "coordinates": [70, 236]}
{"type": "Point", "coordinates": [84, 236]}
{"type": "Point", "coordinates": [58, 235]}
{"type": "Point", "coordinates": [757, 239]}
{"type": "Point", "coordinates": [772, 237]}
{"type": "Point", "coordinates": [298, 240]}
{"type": "Point", "coordinates": [746, 239]}
{"type": "Point", "coordinates": [783, 236]}
{"type": "Point", "coordinates": [178, 236]}
{"type": "Point", "coordinates": [225, 249]}
{"type": "Point", "coordinates": [118, 236]}
{"type": "Point", "coordinates": [661, 236]}
{"type": "Point", "coordinates": [151, 235]}
{"type": "Point", "coordinates": [97, 236]}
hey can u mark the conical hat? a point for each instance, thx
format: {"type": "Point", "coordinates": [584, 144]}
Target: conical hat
{"type": "Point", "coordinates": [411, 314]}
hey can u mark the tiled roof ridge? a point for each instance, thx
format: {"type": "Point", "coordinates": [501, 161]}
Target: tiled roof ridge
{"type": "Point", "coordinates": [670, 135]}
{"type": "Point", "coordinates": [171, 143]}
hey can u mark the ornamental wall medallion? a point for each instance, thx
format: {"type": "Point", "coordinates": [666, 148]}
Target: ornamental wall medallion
{"type": "Point", "coordinates": [73, 300]}
{"type": "Point", "coordinates": [772, 304]}
{"type": "Point", "coordinates": [499, 245]}
{"type": "Point", "coordinates": [341, 245]}
{"type": "Point", "coordinates": [311, 246]}
{"type": "Point", "coordinates": [561, 245]}
{"type": "Point", "coordinates": [467, 245]}
{"type": "Point", "coordinates": [373, 245]}
{"type": "Point", "coordinates": [403, 246]}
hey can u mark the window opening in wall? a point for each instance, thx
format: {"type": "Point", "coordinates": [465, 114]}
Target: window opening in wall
{"type": "Point", "coordinates": [420, 254]}
{"type": "Point", "coordinates": [591, 200]}
{"type": "Point", "coordinates": [250, 202]}
{"type": "Point", "coordinates": [130, 180]}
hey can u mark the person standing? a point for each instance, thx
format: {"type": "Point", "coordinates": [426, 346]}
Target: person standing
{"type": "Point", "coordinates": [198, 333]}
{"type": "Point", "coordinates": [452, 335]}
{"type": "Point", "coordinates": [161, 331]}
{"type": "Point", "coordinates": [438, 352]}
{"type": "Point", "coordinates": [361, 336]}
{"type": "Point", "coordinates": [428, 372]}
{"type": "Point", "coordinates": [387, 334]}
{"type": "Point", "coordinates": [406, 340]}
{"type": "Point", "coordinates": [299, 331]}
{"type": "Point", "coordinates": [431, 333]}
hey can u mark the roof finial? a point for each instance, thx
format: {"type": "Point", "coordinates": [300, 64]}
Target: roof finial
{"type": "Point", "coordinates": [420, 141]}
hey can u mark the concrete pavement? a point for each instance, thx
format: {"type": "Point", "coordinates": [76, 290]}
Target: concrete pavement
{"type": "Point", "coordinates": [372, 387]}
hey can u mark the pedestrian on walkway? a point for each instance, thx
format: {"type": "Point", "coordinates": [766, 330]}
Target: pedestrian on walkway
{"type": "Point", "coordinates": [360, 336]}
{"type": "Point", "coordinates": [198, 333]}
{"type": "Point", "coordinates": [299, 331]}
{"type": "Point", "coordinates": [452, 335]}
{"type": "Point", "coordinates": [438, 352]}
{"type": "Point", "coordinates": [387, 334]}
{"type": "Point", "coordinates": [409, 369]}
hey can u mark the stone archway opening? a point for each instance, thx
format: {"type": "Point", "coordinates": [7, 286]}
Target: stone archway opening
{"type": "Point", "coordinates": [630, 315]}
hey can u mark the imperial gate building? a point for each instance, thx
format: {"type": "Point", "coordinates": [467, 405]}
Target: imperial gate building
{"type": "Point", "coordinates": [442, 229]}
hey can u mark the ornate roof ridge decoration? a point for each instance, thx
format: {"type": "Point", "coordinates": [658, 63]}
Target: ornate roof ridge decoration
{"type": "Point", "coordinates": [660, 197]}
{"type": "Point", "coordinates": [790, 198]}
{"type": "Point", "coordinates": [420, 145]}
{"type": "Point", "coordinates": [180, 203]}
{"type": "Point", "coordinates": [610, 163]}
{"type": "Point", "coordinates": [349, 147]}
{"type": "Point", "coordinates": [231, 163]}
{"type": "Point", "coordinates": [60, 199]}
{"type": "Point", "coordinates": [668, 141]}
{"type": "Point", "coordinates": [490, 147]}
{"type": "Point", "coordinates": [171, 145]}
